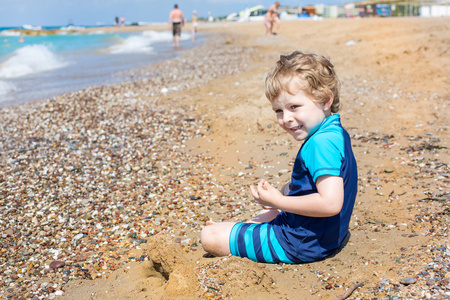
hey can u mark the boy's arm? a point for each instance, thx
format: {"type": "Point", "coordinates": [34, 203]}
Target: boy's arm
{"type": "Point", "coordinates": [326, 202]}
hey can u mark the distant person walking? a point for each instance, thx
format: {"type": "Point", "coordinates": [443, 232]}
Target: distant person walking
{"type": "Point", "coordinates": [176, 18]}
{"type": "Point", "coordinates": [122, 20]}
{"type": "Point", "coordinates": [194, 25]}
{"type": "Point", "coordinates": [275, 19]}
{"type": "Point", "coordinates": [117, 21]}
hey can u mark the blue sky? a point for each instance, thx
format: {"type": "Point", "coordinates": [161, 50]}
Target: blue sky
{"type": "Point", "coordinates": [92, 12]}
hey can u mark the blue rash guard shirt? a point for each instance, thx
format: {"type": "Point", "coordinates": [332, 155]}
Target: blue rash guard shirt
{"type": "Point", "coordinates": [327, 151]}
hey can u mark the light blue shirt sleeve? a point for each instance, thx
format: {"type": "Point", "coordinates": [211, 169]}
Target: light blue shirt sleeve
{"type": "Point", "coordinates": [323, 154]}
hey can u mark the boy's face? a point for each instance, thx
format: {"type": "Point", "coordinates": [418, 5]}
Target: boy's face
{"type": "Point", "coordinates": [298, 114]}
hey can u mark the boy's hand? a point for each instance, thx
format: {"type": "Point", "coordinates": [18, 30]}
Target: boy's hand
{"type": "Point", "coordinates": [265, 194]}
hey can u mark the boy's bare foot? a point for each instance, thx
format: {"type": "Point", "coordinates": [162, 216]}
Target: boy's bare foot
{"type": "Point", "coordinates": [208, 255]}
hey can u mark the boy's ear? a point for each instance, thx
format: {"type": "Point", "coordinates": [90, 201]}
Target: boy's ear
{"type": "Point", "coordinates": [327, 105]}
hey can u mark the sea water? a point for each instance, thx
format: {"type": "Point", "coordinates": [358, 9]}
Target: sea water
{"type": "Point", "coordinates": [45, 66]}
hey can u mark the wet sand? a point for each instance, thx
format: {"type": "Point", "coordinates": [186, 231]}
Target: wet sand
{"type": "Point", "coordinates": [104, 191]}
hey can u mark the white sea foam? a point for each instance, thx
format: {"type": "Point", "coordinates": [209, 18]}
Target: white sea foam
{"type": "Point", "coordinates": [132, 44]}
{"type": "Point", "coordinates": [28, 60]}
{"type": "Point", "coordinates": [158, 36]}
{"type": "Point", "coordinates": [6, 88]}
{"type": "Point", "coordinates": [9, 33]}
{"type": "Point", "coordinates": [142, 43]}
{"type": "Point", "coordinates": [164, 36]}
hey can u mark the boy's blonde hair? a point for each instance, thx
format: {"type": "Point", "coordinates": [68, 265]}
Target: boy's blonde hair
{"type": "Point", "coordinates": [315, 69]}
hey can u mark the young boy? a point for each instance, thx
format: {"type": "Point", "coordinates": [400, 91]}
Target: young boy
{"type": "Point", "coordinates": [309, 221]}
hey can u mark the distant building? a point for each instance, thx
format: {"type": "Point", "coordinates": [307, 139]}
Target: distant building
{"type": "Point", "coordinates": [320, 9]}
{"type": "Point", "coordinates": [434, 10]}
{"type": "Point", "coordinates": [358, 9]}
{"type": "Point", "coordinates": [333, 11]}
{"type": "Point", "coordinates": [401, 8]}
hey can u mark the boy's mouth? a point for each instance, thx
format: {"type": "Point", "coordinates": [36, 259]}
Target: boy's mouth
{"type": "Point", "coordinates": [296, 128]}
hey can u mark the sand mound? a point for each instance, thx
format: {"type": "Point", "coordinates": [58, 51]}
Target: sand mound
{"type": "Point", "coordinates": [169, 269]}
{"type": "Point", "coordinates": [165, 273]}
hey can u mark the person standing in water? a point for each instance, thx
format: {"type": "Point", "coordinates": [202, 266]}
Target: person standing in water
{"type": "Point", "coordinates": [194, 25]}
{"type": "Point", "coordinates": [176, 18]}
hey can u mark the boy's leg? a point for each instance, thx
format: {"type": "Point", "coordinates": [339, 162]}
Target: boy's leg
{"type": "Point", "coordinates": [215, 238]}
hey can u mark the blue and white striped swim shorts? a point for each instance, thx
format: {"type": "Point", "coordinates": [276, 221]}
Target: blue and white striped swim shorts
{"type": "Point", "coordinates": [257, 242]}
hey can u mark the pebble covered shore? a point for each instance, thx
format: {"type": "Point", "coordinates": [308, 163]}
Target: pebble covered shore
{"type": "Point", "coordinates": [86, 176]}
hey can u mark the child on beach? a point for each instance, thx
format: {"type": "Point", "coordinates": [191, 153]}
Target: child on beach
{"type": "Point", "coordinates": [308, 220]}
{"type": "Point", "coordinates": [268, 22]}
{"type": "Point", "coordinates": [194, 25]}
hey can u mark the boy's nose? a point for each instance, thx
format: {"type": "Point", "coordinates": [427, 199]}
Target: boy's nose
{"type": "Point", "coordinates": [287, 117]}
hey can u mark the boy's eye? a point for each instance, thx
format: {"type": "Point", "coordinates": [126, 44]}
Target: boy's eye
{"type": "Point", "coordinates": [294, 106]}
{"type": "Point", "coordinates": [278, 111]}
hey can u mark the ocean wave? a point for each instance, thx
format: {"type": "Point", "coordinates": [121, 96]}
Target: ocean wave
{"type": "Point", "coordinates": [9, 33]}
{"type": "Point", "coordinates": [158, 36]}
{"type": "Point", "coordinates": [6, 88]}
{"type": "Point", "coordinates": [132, 44]}
{"type": "Point", "coordinates": [163, 36]}
{"type": "Point", "coordinates": [28, 60]}
{"type": "Point", "coordinates": [142, 43]}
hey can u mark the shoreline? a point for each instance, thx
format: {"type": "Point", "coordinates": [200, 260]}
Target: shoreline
{"type": "Point", "coordinates": [109, 68]}
{"type": "Point", "coordinates": [107, 29]}
{"type": "Point", "coordinates": [115, 182]}
{"type": "Point", "coordinates": [81, 29]}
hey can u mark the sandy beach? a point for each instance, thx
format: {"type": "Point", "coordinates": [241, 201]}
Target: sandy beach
{"type": "Point", "coordinates": [104, 191]}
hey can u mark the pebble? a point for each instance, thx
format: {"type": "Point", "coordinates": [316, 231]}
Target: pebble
{"type": "Point", "coordinates": [78, 236]}
{"type": "Point", "coordinates": [407, 280]}
{"type": "Point", "coordinates": [430, 281]}
{"type": "Point", "coordinates": [57, 264]}
{"type": "Point", "coordinates": [8, 232]}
